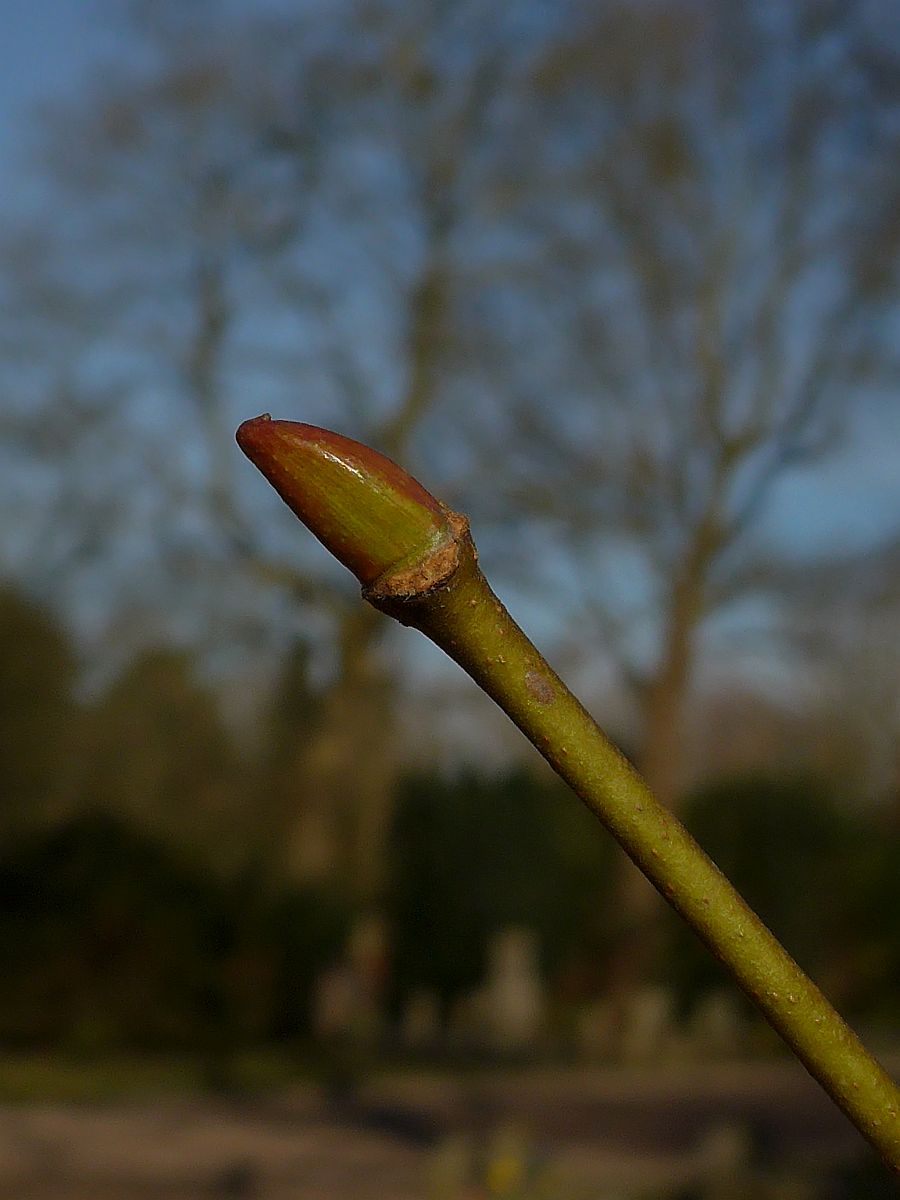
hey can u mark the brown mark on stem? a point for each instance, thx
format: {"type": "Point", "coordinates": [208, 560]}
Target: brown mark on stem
{"type": "Point", "coordinates": [539, 688]}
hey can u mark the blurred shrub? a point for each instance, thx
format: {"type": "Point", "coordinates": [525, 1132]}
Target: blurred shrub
{"type": "Point", "coordinates": [158, 755]}
{"type": "Point", "coordinates": [474, 854]}
{"type": "Point", "coordinates": [108, 940]}
{"type": "Point", "coordinates": [869, 964]}
{"type": "Point", "coordinates": [37, 715]}
{"type": "Point", "coordinates": [101, 937]}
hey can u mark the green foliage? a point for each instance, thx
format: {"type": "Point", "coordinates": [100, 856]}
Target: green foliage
{"type": "Point", "coordinates": [475, 854]}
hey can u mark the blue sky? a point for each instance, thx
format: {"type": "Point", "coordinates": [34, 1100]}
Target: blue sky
{"type": "Point", "coordinates": [50, 46]}
{"type": "Point", "coordinates": [854, 500]}
{"type": "Point", "coordinates": [47, 47]}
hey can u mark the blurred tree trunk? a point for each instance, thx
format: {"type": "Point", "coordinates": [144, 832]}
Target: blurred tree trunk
{"type": "Point", "coordinates": [344, 768]}
{"type": "Point", "coordinates": [722, 299]}
{"type": "Point", "coordinates": [351, 766]}
{"type": "Point", "coordinates": [665, 696]}
{"type": "Point", "coordinates": [233, 205]}
{"type": "Point", "coordinates": [663, 701]}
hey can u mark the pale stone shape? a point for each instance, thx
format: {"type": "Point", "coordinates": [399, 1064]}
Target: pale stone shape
{"type": "Point", "coordinates": [514, 992]}
{"type": "Point", "coordinates": [648, 1024]}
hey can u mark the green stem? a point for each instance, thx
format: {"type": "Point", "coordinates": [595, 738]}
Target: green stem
{"type": "Point", "coordinates": [417, 563]}
{"type": "Point", "coordinates": [470, 624]}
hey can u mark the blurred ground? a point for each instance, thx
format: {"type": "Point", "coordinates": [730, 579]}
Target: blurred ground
{"type": "Point", "coordinates": [591, 1133]}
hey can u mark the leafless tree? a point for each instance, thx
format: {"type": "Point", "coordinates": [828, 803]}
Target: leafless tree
{"type": "Point", "coordinates": [637, 256]}
{"type": "Point", "coordinates": [723, 205]}
{"type": "Point", "coordinates": [723, 208]}
{"type": "Point", "coordinates": [268, 213]}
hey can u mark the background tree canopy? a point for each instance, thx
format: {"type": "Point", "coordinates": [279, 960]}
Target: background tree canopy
{"type": "Point", "coordinates": [621, 282]}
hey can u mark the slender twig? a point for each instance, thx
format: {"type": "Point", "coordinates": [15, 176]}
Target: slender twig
{"type": "Point", "coordinates": [417, 563]}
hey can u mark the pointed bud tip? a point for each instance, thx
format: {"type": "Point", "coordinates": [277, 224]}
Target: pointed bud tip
{"type": "Point", "coordinates": [366, 510]}
{"type": "Point", "coordinates": [247, 430]}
